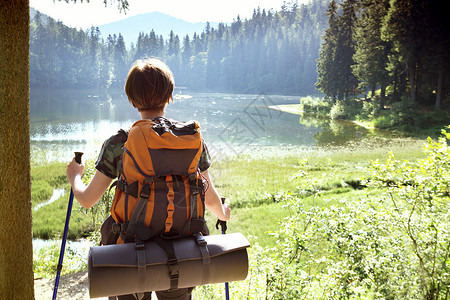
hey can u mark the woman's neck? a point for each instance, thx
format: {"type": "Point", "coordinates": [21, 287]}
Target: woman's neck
{"type": "Point", "coordinates": [151, 114]}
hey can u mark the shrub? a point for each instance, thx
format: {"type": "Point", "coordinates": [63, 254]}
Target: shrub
{"type": "Point", "coordinates": [370, 109]}
{"type": "Point", "coordinates": [405, 114]}
{"type": "Point", "coordinates": [338, 112]}
{"type": "Point", "coordinates": [315, 105]}
{"type": "Point", "coordinates": [383, 121]}
{"type": "Point", "coordinates": [394, 246]}
{"type": "Point", "coordinates": [345, 110]}
{"type": "Point", "coordinates": [46, 255]}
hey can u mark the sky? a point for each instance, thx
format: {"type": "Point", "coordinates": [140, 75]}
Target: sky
{"type": "Point", "coordinates": [84, 14]}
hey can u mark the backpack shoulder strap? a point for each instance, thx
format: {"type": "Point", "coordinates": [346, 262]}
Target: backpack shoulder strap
{"type": "Point", "coordinates": [143, 197]}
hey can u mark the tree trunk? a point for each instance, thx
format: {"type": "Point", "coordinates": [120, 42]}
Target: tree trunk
{"type": "Point", "coordinates": [412, 82]}
{"type": "Point", "coordinates": [16, 247]}
{"type": "Point", "coordinates": [382, 95]}
{"type": "Point", "coordinates": [439, 88]}
{"type": "Point", "coordinates": [374, 90]}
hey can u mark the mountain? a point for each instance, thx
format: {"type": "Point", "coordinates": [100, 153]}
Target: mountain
{"type": "Point", "coordinates": [33, 13]}
{"type": "Point", "coordinates": [161, 23]}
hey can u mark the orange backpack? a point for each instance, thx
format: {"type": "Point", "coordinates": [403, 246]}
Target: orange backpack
{"type": "Point", "coordinates": [160, 190]}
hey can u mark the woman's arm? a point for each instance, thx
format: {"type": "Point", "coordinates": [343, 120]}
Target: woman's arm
{"type": "Point", "coordinates": [88, 195]}
{"type": "Point", "coordinates": [213, 202]}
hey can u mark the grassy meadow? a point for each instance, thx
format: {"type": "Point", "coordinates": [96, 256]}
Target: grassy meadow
{"type": "Point", "coordinates": [254, 185]}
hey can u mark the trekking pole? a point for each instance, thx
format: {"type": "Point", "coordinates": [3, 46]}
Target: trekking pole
{"type": "Point", "coordinates": [223, 225]}
{"type": "Point", "coordinates": [66, 229]}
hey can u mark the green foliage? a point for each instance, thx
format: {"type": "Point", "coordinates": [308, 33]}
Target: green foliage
{"type": "Point", "coordinates": [40, 191]}
{"type": "Point", "coordinates": [45, 259]}
{"type": "Point", "coordinates": [53, 173]}
{"type": "Point", "coordinates": [315, 105]}
{"type": "Point", "coordinates": [383, 121]}
{"type": "Point", "coordinates": [258, 187]}
{"type": "Point", "coordinates": [44, 179]}
{"type": "Point", "coordinates": [370, 109]}
{"type": "Point", "coordinates": [406, 116]}
{"type": "Point", "coordinates": [337, 111]}
{"type": "Point", "coordinates": [335, 77]}
{"type": "Point", "coordinates": [383, 43]}
{"type": "Point", "coordinates": [419, 197]}
{"type": "Point", "coordinates": [48, 220]}
{"type": "Point", "coordinates": [393, 246]}
{"type": "Point", "coordinates": [345, 110]}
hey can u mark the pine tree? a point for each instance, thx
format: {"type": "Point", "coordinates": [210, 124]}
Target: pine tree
{"type": "Point", "coordinates": [402, 27]}
{"type": "Point", "coordinates": [94, 56]}
{"type": "Point", "coordinates": [345, 49]}
{"type": "Point", "coordinates": [325, 65]}
{"type": "Point", "coordinates": [120, 61]}
{"type": "Point", "coordinates": [371, 54]}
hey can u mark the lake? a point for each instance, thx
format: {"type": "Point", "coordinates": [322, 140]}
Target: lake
{"type": "Point", "coordinates": [64, 121]}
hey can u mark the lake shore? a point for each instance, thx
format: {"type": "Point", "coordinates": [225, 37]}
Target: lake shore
{"type": "Point", "coordinates": [289, 108]}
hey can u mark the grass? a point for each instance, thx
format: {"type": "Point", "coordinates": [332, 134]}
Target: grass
{"type": "Point", "coordinates": [48, 220]}
{"type": "Point", "coordinates": [46, 178]}
{"type": "Point", "coordinates": [254, 185]}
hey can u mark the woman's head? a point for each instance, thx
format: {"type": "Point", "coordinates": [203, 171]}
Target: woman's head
{"type": "Point", "coordinates": [149, 84]}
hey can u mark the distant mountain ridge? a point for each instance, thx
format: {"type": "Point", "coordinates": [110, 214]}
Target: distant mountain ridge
{"type": "Point", "coordinates": [161, 23]}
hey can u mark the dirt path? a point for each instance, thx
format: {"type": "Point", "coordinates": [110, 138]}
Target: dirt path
{"type": "Point", "coordinates": [73, 286]}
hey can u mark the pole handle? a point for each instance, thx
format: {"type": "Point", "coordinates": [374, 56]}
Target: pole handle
{"type": "Point", "coordinates": [78, 157]}
{"type": "Point", "coordinates": [223, 224]}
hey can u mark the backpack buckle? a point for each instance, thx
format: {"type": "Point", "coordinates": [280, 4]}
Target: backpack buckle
{"type": "Point", "coordinates": [200, 239]}
{"type": "Point", "coordinates": [172, 234]}
{"type": "Point", "coordinates": [174, 274]}
{"type": "Point", "coordinates": [145, 191]}
{"type": "Point", "coordinates": [115, 228]}
{"type": "Point", "coordinates": [140, 245]}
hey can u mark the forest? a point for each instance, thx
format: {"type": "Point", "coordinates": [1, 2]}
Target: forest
{"type": "Point", "coordinates": [397, 49]}
{"type": "Point", "coordinates": [272, 52]}
{"type": "Point", "coordinates": [391, 51]}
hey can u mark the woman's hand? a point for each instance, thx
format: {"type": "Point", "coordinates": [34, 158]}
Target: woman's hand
{"type": "Point", "coordinates": [226, 212]}
{"type": "Point", "coordinates": [88, 195]}
{"type": "Point", "coordinates": [74, 170]}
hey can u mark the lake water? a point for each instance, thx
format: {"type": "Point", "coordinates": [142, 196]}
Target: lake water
{"type": "Point", "coordinates": [64, 121]}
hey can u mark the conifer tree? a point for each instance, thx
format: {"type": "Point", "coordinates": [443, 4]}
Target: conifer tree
{"type": "Point", "coordinates": [120, 60]}
{"type": "Point", "coordinates": [346, 82]}
{"type": "Point", "coordinates": [402, 27]}
{"type": "Point", "coordinates": [371, 53]}
{"type": "Point", "coordinates": [326, 69]}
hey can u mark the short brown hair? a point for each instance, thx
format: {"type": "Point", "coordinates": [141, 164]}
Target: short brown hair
{"type": "Point", "coordinates": [149, 84]}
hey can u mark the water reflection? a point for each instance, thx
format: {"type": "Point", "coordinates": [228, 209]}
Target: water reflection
{"type": "Point", "coordinates": [64, 121]}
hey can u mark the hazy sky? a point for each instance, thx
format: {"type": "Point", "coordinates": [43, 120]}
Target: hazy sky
{"type": "Point", "coordinates": [95, 13]}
